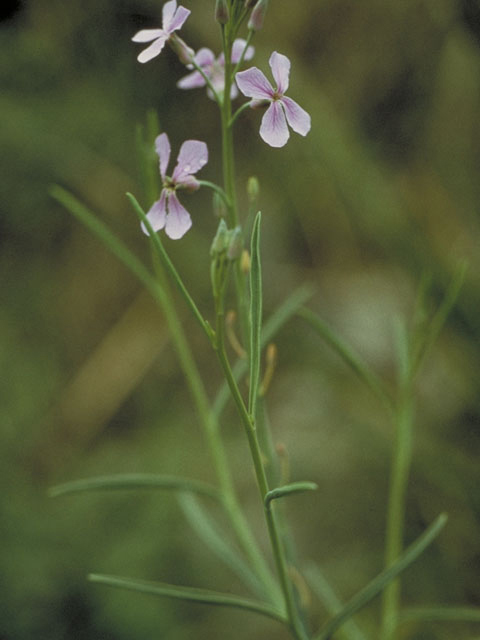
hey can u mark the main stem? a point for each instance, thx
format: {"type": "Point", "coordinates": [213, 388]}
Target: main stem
{"type": "Point", "coordinates": [396, 507]}
{"type": "Point", "coordinates": [214, 440]}
{"type": "Point", "coordinates": [228, 163]}
{"type": "Point", "coordinates": [248, 421]}
{"type": "Point", "coordinates": [296, 625]}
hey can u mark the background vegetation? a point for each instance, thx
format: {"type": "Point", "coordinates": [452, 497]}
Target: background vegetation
{"type": "Point", "coordinates": [383, 190]}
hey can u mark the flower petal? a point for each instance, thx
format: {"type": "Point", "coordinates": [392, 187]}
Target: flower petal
{"type": "Point", "coordinates": [280, 66]}
{"type": "Point", "coordinates": [153, 50]}
{"type": "Point", "coordinates": [191, 81]}
{"type": "Point", "coordinates": [192, 157]}
{"type": "Point", "coordinates": [274, 130]}
{"type": "Point", "coordinates": [168, 12]}
{"type": "Point", "coordinates": [178, 219]}
{"type": "Point", "coordinates": [146, 35]}
{"type": "Point", "coordinates": [297, 117]}
{"type": "Point", "coordinates": [204, 57]}
{"type": "Point", "coordinates": [178, 19]}
{"type": "Point", "coordinates": [157, 214]}
{"type": "Point", "coordinates": [253, 84]}
{"type": "Point", "coordinates": [237, 50]}
{"type": "Point", "coordinates": [162, 147]}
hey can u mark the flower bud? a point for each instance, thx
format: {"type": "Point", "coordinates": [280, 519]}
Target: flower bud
{"type": "Point", "coordinates": [258, 15]}
{"type": "Point", "coordinates": [253, 189]}
{"type": "Point", "coordinates": [235, 244]}
{"type": "Point", "coordinates": [245, 262]}
{"type": "Point", "coordinates": [184, 52]}
{"type": "Point", "coordinates": [220, 241]}
{"type": "Point", "coordinates": [222, 14]}
{"type": "Point", "coordinates": [219, 207]}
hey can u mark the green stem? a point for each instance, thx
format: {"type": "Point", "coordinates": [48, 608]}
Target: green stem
{"type": "Point", "coordinates": [262, 482]}
{"type": "Point", "coordinates": [228, 164]}
{"type": "Point", "coordinates": [238, 112]}
{"type": "Point", "coordinates": [396, 508]}
{"type": "Point", "coordinates": [215, 444]}
{"type": "Point", "coordinates": [216, 188]}
{"type": "Point", "coordinates": [227, 133]}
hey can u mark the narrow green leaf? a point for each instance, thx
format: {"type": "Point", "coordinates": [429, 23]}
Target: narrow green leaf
{"type": "Point", "coordinates": [285, 312]}
{"type": "Point", "coordinates": [116, 246]}
{"type": "Point", "coordinates": [190, 594]}
{"type": "Point", "coordinates": [168, 264]}
{"type": "Point", "coordinates": [256, 298]}
{"type": "Point", "coordinates": [373, 588]}
{"type": "Point", "coordinates": [332, 603]}
{"type": "Point", "coordinates": [275, 322]}
{"type": "Point", "coordinates": [288, 490]}
{"type": "Point", "coordinates": [362, 370]}
{"type": "Point", "coordinates": [439, 319]}
{"type": "Point", "coordinates": [217, 542]}
{"type": "Point", "coordinates": [402, 353]}
{"type": "Point", "coordinates": [440, 614]}
{"type": "Point", "coordinates": [129, 481]}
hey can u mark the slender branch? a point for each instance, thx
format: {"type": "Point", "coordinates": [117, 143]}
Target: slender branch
{"type": "Point", "coordinates": [238, 112]}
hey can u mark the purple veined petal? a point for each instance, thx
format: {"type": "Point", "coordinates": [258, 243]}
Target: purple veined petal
{"type": "Point", "coordinates": [204, 57]}
{"type": "Point", "coordinates": [153, 50]}
{"type": "Point", "coordinates": [178, 219]}
{"type": "Point", "coordinates": [237, 50]}
{"type": "Point", "coordinates": [162, 147]}
{"type": "Point", "coordinates": [191, 81]}
{"type": "Point", "coordinates": [192, 157]}
{"type": "Point", "coordinates": [253, 84]}
{"type": "Point", "coordinates": [280, 66]}
{"type": "Point", "coordinates": [168, 12]}
{"type": "Point", "coordinates": [297, 117]}
{"type": "Point", "coordinates": [147, 35]}
{"type": "Point", "coordinates": [274, 130]}
{"type": "Point", "coordinates": [178, 19]}
{"type": "Point", "coordinates": [157, 214]}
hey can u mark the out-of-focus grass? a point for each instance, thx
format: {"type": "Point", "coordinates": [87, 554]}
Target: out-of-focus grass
{"type": "Point", "coordinates": [384, 188]}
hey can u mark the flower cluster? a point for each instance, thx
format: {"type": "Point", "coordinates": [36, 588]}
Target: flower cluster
{"type": "Point", "coordinates": [207, 70]}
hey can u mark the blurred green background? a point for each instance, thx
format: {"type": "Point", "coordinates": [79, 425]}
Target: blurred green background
{"type": "Point", "coordinates": [384, 188]}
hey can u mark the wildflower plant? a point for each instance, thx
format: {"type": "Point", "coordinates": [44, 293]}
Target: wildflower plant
{"type": "Point", "coordinates": [236, 265]}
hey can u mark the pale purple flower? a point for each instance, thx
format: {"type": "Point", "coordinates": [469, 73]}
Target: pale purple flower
{"type": "Point", "coordinates": [214, 68]}
{"type": "Point", "coordinates": [173, 20]}
{"type": "Point", "coordinates": [254, 84]}
{"type": "Point", "coordinates": [168, 212]}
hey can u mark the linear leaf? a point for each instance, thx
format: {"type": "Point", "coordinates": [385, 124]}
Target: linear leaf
{"type": "Point", "coordinates": [331, 601]}
{"type": "Point", "coordinates": [256, 297]}
{"type": "Point", "coordinates": [362, 370]}
{"type": "Point", "coordinates": [216, 541]}
{"type": "Point", "coordinates": [441, 614]}
{"type": "Point", "coordinates": [190, 594]}
{"type": "Point", "coordinates": [128, 481]}
{"type": "Point", "coordinates": [288, 490]}
{"type": "Point", "coordinates": [440, 317]}
{"type": "Point", "coordinates": [116, 246]}
{"type": "Point", "coordinates": [373, 588]}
